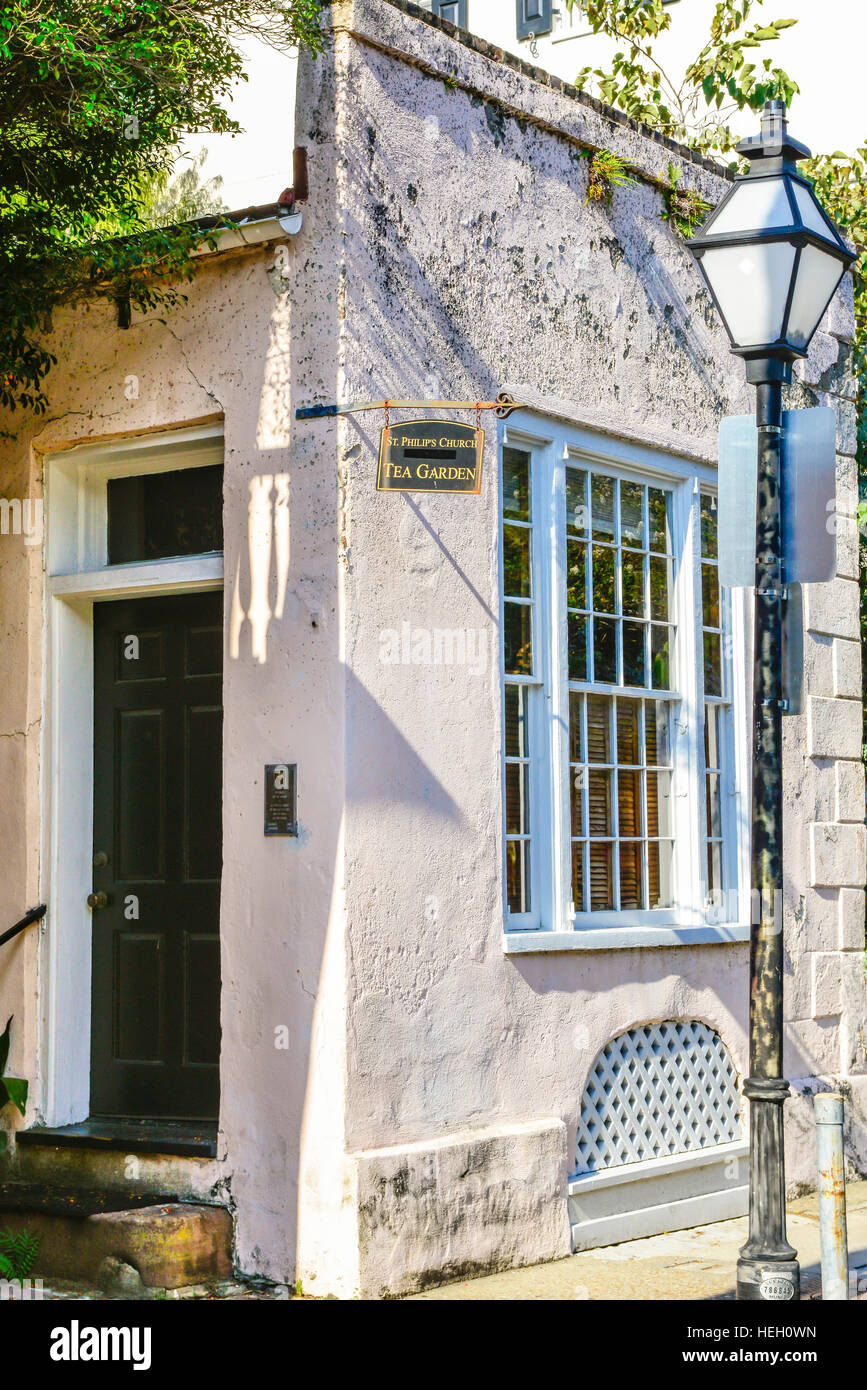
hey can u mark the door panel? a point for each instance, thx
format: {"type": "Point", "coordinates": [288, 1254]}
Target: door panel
{"type": "Point", "coordinates": [158, 818]}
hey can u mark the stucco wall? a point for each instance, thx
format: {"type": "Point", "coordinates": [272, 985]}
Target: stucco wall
{"type": "Point", "coordinates": [447, 249]}
{"type": "Point", "coordinates": [230, 353]}
{"type": "Point", "coordinates": [473, 259]}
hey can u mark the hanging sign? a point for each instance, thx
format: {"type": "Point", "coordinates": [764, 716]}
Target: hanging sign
{"type": "Point", "coordinates": [430, 456]}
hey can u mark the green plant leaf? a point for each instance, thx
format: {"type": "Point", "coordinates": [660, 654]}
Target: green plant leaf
{"type": "Point", "coordinates": [16, 1091]}
{"type": "Point", "coordinates": [18, 1250]}
{"type": "Point", "coordinates": [4, 1045]}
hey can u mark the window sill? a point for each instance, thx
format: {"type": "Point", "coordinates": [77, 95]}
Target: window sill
{"type": "Point", "coordinates": [516, 943]}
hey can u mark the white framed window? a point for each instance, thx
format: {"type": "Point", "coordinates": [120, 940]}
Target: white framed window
{"type": "Point", "coordinates": [622, 802]}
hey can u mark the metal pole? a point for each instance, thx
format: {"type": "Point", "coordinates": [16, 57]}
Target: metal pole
{"type": "Point", "coordinates": [768, 1267]}
{"type": "Point", "coordinates": [828, 1111]}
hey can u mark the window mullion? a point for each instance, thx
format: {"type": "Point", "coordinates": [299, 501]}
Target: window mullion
{"type": "Point", "coordinates": [687, 762]}
{"type": "Point", "coordinates": [553, 557]}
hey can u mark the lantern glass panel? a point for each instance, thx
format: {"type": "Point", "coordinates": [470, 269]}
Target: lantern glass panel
{"type": "Point", "coordinates": [811, 214]}
{"type": "Point", "coordinates": [754, 207]}
{"type": "Point", "coordinates": [819, 274]}
{"type": "Point", "coordinates": [751, 284]}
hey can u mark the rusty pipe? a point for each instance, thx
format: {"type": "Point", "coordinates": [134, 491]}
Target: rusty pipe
{"type": "Point", "coordinates": [828, 1113]}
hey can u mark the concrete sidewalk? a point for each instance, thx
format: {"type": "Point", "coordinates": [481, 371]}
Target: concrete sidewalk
{"type": "Point", "coordinates": [694, 1264]}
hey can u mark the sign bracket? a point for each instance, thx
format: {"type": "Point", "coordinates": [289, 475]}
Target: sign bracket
{"type": "Point", "coordinates": [502, 407]}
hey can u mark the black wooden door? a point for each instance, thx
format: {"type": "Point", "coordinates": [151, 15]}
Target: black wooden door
{"type": "Point", "coordinates": [157, 841]}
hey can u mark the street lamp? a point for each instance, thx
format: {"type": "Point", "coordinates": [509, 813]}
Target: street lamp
{"type": "Point", "coordinates": [772, 260]}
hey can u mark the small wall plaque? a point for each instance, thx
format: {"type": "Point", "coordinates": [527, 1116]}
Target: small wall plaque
{"type": "Point", "coordinates": [280, 812]}
{"type": "Point", "coordinates": [430, 456]}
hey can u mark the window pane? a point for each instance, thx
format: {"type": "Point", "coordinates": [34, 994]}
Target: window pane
{"type": "Point", "coordinates": [659, 803]}
{"type": "Point", "coordinates": [710, 596]}
{"type": "Point", "coordinates": [657, 718]}
{"type": "Point", "coordinates": [516, 484]}
{"type": "Point", "coordinates": [632, 515]}
{"type": "Point", "coordinates": [156, 515]}
{"type": "Point", "coordinates": [708, 525]}
{"type": "Point", "coordinates": [576, 734]}
{"type": "Point", "coordinates": [517, 644]}
{"type": "Point", "coordinates": [516, 722]}
{"type": "Point", "coordinates": [632, 585]}
{"type": "Point", "coordinates": [577, 648]}
{"type": "Point", "coordinates": [602, 506]}
{"type": "Point", "coordinates": [659, 855]}
{"type": "Point", "coordinates": [629, 804]}
{"type": "Point", "coordinates": [576, 501]}
{"type": "Point", "coordinates": [518, 875]}
{"type": "Point", "coordinates": [576, 582]}
{"type": "Point", "coordinates": [603, 579]}
{"type": "Point", "coordinates": [516, 561]}
{"type": "Point", "coordinates": [601, 878]}
{"type": "Point", "coordinates": [712, 664]}
{"type": "Point", "coordinates": [633, 654]}
{"type": "Point", "coordinates": [657, 506]}
{"type": "Point", "coordinates": [631, 888]}
{"type": "Point", "coordinates": [599, 802]}
{"type": "Point", "coordinates": [660, 644]}
{"type": "Point", "coordinates": [714, 874]}
{"type": "Point", "coordinates": [578, 877]}
{"type": "Point", "coordinates": [517, 805]}
{"type": "Point", "coordinates": [599, 729]}
{"type": "Point", "coordinates": [712, 717]}
{"type": "Point", "coordinates": [660, 588]}
{"type": "Point", "coordinates": [714, 809]}
{"type": "Point", "coordinates": [577, 800]}
{"type": "Point", "coordinates": [628, 732]}
{"type": "Point", "coordinates": [605, 650]}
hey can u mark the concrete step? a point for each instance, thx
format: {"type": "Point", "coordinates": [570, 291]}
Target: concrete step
{"type": "Point", "coordinates": [121, 1156]}
{"type": "Point", "coordinates": [99, 1238]}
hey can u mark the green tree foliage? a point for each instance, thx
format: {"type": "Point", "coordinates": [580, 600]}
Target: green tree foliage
{"type": "Point", "coordinates": [721, 80]}
{"type": "Point", "coordinates": [186, 196]}
{"type": "Point", "coordinates": [95, 98]}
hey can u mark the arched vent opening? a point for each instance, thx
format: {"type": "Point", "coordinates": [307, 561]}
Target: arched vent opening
{"type": "Point", "coordinates": [661, 1089]}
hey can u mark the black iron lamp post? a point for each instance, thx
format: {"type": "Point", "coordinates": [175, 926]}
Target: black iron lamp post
{"type": "Point", "coordinates": [772, 261]}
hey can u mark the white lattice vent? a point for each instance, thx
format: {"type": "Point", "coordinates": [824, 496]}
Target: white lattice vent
{"type": "Point", "coordinates": [665, 1088]}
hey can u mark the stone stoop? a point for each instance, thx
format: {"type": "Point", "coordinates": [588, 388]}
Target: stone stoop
{"type": "Point", "coordinates": [130, 1206]}
{"type": "Point", "coordinates": [147, 1246]}
{"type": "Point", "coordinates": [114, 1157]}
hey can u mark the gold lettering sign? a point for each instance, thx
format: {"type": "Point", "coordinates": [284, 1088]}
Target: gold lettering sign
{"type": "Point", "coordinates": [428, 456]}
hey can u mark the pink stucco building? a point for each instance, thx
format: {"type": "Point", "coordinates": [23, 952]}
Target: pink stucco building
{"type": "Point", "coordinates": [488, 1002]}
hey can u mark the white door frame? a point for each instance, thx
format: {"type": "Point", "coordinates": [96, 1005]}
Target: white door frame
{"type": "Point", "coordinates": [77, 576]}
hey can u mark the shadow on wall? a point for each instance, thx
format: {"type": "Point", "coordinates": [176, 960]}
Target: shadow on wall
{"type": "Point", "coordinates": [387, 767]}
{"type": "Point", "coordinates": [262, 595]}
{"type": "Point", "coordinates": [463, 308]}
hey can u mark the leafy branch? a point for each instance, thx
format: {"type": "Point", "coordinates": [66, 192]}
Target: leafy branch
{"type": "Point", "coordinates": [718, 83]}
{"type": "Point", "coordinates": [96, 97]}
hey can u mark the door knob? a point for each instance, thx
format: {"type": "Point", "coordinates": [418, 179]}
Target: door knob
{"type": "Point", "coordinates": [100, 859]}
{"type": "Point", "coordinates": [96, 900]}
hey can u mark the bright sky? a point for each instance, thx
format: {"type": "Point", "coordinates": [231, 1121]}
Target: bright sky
{"type": "Point", "coordinates": [824, 52]}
